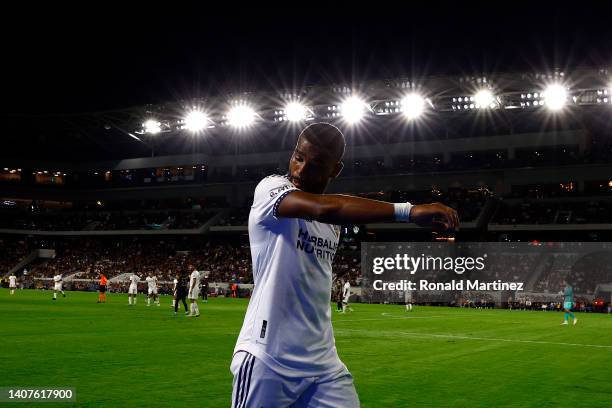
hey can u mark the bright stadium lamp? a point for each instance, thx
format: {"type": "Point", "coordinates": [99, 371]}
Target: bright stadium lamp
{"type": "Point", "coordinates": [295, 112]}
{"type": "Point", "coordinates": [484, 99]}
{"type": "Point", "coordinates": [152, 126]}
{"type": "Point", "coordinates": [353, 109]}
{"type": "Point", "coordinates": [555, 96]}
{"type": "Point", "coordinates": [241, 116]}
{"type": "Point", "coordinates": [195, 121]}
{"type": "Point", "coordinates": [413, 106]}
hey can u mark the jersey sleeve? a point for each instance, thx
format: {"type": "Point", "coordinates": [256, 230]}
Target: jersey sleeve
{"type": "Point", "coordinates": [269, 193]}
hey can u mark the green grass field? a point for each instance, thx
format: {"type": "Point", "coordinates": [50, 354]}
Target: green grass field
{"type": "Point", "coordinates": [115, 355]}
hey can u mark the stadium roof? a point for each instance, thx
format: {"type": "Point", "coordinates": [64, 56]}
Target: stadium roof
{"type": "Point", "coordinates": [64, 61]}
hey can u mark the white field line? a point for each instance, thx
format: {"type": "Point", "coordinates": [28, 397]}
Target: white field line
{"type": "Point", "coordinates": [463, 337]}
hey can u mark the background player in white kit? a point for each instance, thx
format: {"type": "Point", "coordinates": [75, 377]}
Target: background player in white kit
{"type": "Point", "coordinates": [346, 294]}
{"type": "Point", "coordinates": [58, 286]}
{"type": "Point", "coordinates": [194, 293]}
{"type": "Point", "coordinates": [133, 289]}
{"type": "Point", "coordinates": [286, 354]}
{"type": "Point", "coordinates": [12, 283]}
{"type": "Point", "coordinates": [408, 300]}
{"type": "Point", "coordinates": [175, 281]}
{"type": "Point", "coordinates": [152, 290]}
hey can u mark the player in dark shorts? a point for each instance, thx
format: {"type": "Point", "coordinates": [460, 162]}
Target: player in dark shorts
{"type": "Point", "coordinates": [338, 294]}
{"type": "Point", "coordinates": [205, 289]}
{"type": "Point", "coordinates": [181, 290]}
{"type": "Point", "coordinates": [102, 289]}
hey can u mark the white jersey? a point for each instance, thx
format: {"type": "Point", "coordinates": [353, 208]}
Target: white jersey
{"type": "Point", "coordinates": [346, 291]}
{"type": "Point", "coordinates": [194, 280]}
{"type": "Point", "coordinates": [152, 282]}
{"type": "Point", "coordinates": [175, 282]}
{"type": "Point", "coordinates": [57, 279]}
{"type": "Point", "coordinates": [134, 279]}
{"type": "Point", "coordinates": [195, 277]}
{"type": "Point", "coordinates": [12, 281]}
{"type": "Point", "coordinates": [288, 321]}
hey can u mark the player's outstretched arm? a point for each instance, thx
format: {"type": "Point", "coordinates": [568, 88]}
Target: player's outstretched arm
{"type": "Point", "coordinates": [343, 209]}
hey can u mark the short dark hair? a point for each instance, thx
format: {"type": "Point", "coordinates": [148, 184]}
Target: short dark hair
{"type": "Point", "coordinates": [325, 135]}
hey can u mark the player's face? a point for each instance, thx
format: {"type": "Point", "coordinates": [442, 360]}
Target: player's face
{"type": "Point", "coordinates": [311, 167]}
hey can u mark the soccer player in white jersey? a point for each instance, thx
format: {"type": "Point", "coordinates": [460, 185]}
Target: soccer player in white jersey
{"type": "Point", "coordinates": [175, 281]}
{"type": "Point", "coordinates": [57, 286]}
{"type": "Point", "coordinates": [133, 289]}
{"type": "Point", "coordinates": [285, 354]}
{"type": "Point", "coordinates": [12, 283]}
{"type": "Point", "coordinates": [346, 294]}
{"type": "Point", "coordinates": [194, 292]}
{"type": "Point", "coordinates": [408, 300]}
{"type": "Point", "coordinates": [152, 290]}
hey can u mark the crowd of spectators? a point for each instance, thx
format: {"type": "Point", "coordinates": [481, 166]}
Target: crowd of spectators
{"type": "Point", "coordinates": [514, 212]}
{"type": "Point", "coordinates": [590, 271]}
{"type": "Point", "coordinates": [556, 272]}
{"type": "Point", "coordinates": [12, 251]}
{"type": "Point", "coordinates": [85, 258]}
{"type": "Point", "coordinates": [64, 220]}
{"type": "Point", "coordinates": [235, 217]}
{"type": "Point", "coordinates": [512, 267]}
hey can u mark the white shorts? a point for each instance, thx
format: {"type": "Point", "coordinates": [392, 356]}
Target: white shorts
{"type": "Point", "coordinates": [152, 291]}
{"type": "Point", "coordinates": [12, 287]}
{"type": "Point", "coordinates": [58, 286]}
{"type": "Point", "coordinates": [256, 385]}
{"type": "Point", "coordinates": [194, 293]}
{"type": "Point", "coordinates": [133, 290]}
{"type": "Point", "coordinates": [346, 299]}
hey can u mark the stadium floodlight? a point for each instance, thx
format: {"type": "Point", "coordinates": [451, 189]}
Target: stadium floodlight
{"type": "Point", "coordinates": [295, 112]}
{"type": "Point", "coordinates": [195, 121]}
{"type": "Point", "coordinates": [555, 97]}
{"type": "Point", "coordinates": [353, 109]}
{"type": "Point", "coordinates": [484, 99]}
{"type": "Point", "coordinates": [152, 126]}
{"type": "Point", "coordinates": [413, 106]}
{"type": "Point", "coordinates": [241, 116]}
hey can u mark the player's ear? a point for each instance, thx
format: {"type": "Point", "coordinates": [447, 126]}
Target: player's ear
{"type": "Point", "coordinates": [337, 169]}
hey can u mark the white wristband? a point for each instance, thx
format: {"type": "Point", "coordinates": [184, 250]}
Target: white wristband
{"type": "Point", "coordinates": [402, 211]}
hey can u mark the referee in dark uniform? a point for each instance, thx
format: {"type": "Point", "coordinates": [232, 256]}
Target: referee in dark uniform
{"type": "Point", "coordinates": [205, 288]}
{"type": "Point", "coordinates": [181, 290]}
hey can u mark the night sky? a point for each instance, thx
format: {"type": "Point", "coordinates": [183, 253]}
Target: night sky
{"type": "Point", "coordinates": [78, 58]}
